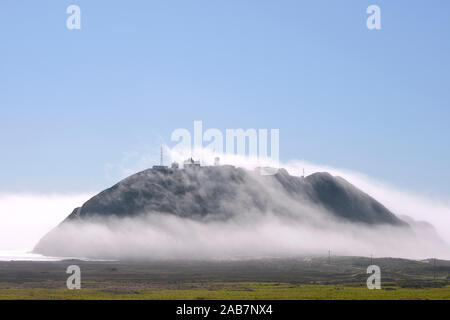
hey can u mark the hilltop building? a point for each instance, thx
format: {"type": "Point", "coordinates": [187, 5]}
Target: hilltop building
{"type": "Point", "coordinates": [191, 163]}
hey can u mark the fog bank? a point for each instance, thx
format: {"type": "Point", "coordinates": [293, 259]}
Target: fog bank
{"type": "Point", "coordinates": [162, 236]}
{"type": "Point", "coordinates": [26, 218]}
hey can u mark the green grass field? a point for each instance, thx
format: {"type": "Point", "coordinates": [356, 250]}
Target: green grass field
{"type": "Point", "coordinates": [291, 279]}
{"type": "Point", "coordinates": [245, 291]}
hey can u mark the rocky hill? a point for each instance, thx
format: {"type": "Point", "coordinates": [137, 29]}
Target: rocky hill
{"type": "Point", "coordinates": [223, 191]}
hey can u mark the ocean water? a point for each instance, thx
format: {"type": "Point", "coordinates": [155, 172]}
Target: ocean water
{"type": "Point", "coordinates": [23, 255]}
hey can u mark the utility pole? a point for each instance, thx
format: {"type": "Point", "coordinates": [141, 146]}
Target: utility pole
{"type": "Point", "coordinates": [434, 268]}
{"type": "Point", "coordinates": [329, 256]}
{"type": "Point", "coordinates": [371, 259]}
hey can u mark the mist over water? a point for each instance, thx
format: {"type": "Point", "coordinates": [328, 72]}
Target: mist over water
{"type": "Point", "coordinates": [156, 235]}
{"type": "Point", "coordinates": [25, 218]}
{"type": "Point", "coordinates": [22, 255]}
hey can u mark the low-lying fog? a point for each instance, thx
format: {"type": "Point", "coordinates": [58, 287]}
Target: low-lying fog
{"type": "Point", "coordinates": [162, 236]}
{"type": "Point", "coordinates": [26, 218]}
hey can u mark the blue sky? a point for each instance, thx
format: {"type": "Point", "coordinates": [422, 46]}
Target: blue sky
{"type": "Point", "coordinates": [75, 102]}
